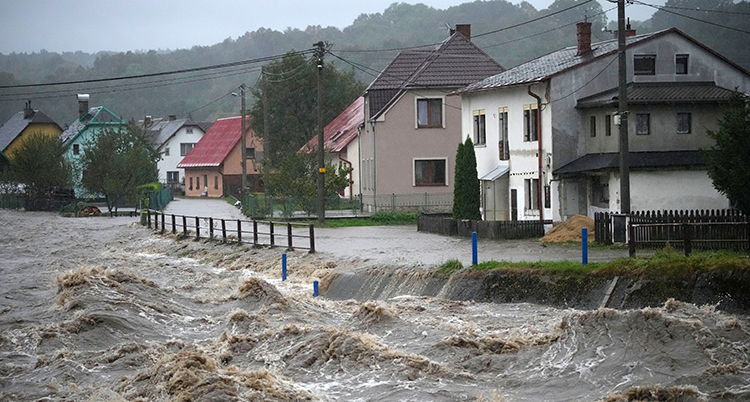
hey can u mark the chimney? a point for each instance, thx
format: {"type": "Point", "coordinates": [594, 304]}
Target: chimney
{"type": "Point", "coordinates": [28, 112]}
{"type": "Point", "coordinates": [628, 32]}
{"type": "Point", "coordinates": [584, 38]}
{"type": "Point", "coordinates": [172, 117]}
{"type": "Point", "coordinates": [83, 104]}
{"type": "Point", "coordinates": [147, 121]}
{"type": "Point", "coordinates": [464, 29]}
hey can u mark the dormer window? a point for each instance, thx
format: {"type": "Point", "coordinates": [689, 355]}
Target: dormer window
{"type": "Point", "coordinates": [681, 64]}
{"type": "Point", "coordinates": [644, 64]}
{"type": "Point", "coordinates": [189, 130]}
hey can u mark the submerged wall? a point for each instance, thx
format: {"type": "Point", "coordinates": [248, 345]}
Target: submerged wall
{"type": "Point", "coordinates": [726, 288]}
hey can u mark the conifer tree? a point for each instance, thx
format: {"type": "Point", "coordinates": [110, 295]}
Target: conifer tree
{"type": "Point", "coordinates": [466, 198]}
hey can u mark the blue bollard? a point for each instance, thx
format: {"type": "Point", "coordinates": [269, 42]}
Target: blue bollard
{"type": "Point", "coordinates": [283, 267]}
{"type": "Point", "coordinates": [474, 248]}
{"type": "Point", "coordinates": [585, 246]}
{"type": "Point", "coordinates": [315, 289]}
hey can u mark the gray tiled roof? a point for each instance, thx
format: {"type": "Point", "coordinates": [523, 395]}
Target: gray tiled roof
{"type": "Point", "coordinates": [16, 124]}
{"type": "Point", "coordinates": [95, 115]}
{"type": "Point", "coordinates": [163, 130]}
{"type": "Point", "coordinates": [660, 92]}
{"type": "Point", "coordinates": [543, 67]}
{"type": "Point", "coordinates": [638, 160]}
{"type": "Point", "coordinates": [454, 63]}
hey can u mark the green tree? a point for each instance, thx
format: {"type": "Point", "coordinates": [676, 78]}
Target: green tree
{"type": "Point", "coordinates": [40, 166]}
{"type": "Point", "coordinates": [466, 198]}
{"type": "Point", "coordinates": [291, 93]}
{"type": "Point", "coordinates": [297, 175]}
{"type": "Point", "coordinates": [728, 160]}
{"type": "Point", "coordinates": [116, 162]}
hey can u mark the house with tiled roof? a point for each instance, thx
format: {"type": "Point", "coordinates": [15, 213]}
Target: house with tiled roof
{"type": "Point", "coordinates": [22, 125]}
{"type": "Point", "coordinates": [173, 138]}
{"type": "Point", "coordinates": [412, 128]}
{"type": "Point", "coordinates": [546, 137]}
{"type": "Point", "coordinates": [214, 165]}
{"type": "Point", "coordinates": [341, 142]}
{"type": "Point", "coordinates": [91, 122]}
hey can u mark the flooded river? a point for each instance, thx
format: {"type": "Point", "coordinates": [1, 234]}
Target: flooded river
{"type": "Point", "coordinates": [101, 309]}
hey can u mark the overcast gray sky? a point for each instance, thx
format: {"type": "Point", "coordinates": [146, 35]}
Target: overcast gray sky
{"type": "Point", "coordinates": [122, 25]}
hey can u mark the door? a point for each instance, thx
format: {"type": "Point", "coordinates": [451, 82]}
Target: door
{"type": "Point", "coordinates": [571, 199]}
{"type": "Point", "coordinates": [514, 204]}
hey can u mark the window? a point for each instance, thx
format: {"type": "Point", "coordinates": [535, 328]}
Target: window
{"type": "Point", "coordinates": [531, 194]}
{"type": "Point", "coordinates": [480, 128]}
{"type": "Point", "coordinates": [530, 127]}
{"type": "Point", "coordinates": [429, 113]}
{"type": "Point", "coordinates": [683, 123]}
{"type": "Point", "coordinates": [681, 64]}
{"type": "Point", "coordinates": [430, 172]}
{"type": "Point", "coordinates": [250, 153]}
{"type": "Point", "coordinates": [173, 177]}
{"type": "Point", "coordinates": [166, 151]}
{"type": "Point", "coordinates": [198, 183]}
{"type": "Point", "coordinates": [76, 149]}
{"type": "Point", "coordinates": [185, 147]}
{"type": "Point", "coordinates": [607, 125]}
{"type": "Point", "coordinates": [216, 182]}
{"type": "Point", "coordinates": [643, 124]}
{"type": "Point", "coordinates": [189, 130]}
{"type": "Point", "coordinates": [644, 64]}
{"type": "Point", "coordinates": [592, 126]}
{"type": "Point", "coordinates": [191, 183]}
{"type": "Point", "coordinates": [502, 115]}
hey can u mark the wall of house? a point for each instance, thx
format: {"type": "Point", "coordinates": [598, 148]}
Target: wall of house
{"type": "Point", "coordinates": [523, 162]}
{"type": "Point", "coordinates": [195, 182]}
{"type": "Point", "coordinates": [168, 163]}
{"type": "Point", "coordinates": [349, 157]}
{"type": "Point", "coordinates": [674, 190]}
{"type": "Point", "coordinates": [397, 143]}
{"type": "Point", "coordinates": [50, 130]}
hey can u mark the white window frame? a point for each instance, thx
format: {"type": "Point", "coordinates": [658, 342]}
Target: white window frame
{"type": "Point", "coordinates": [479, 122]}
{"type": "Point", "coordinates": [527, 123]}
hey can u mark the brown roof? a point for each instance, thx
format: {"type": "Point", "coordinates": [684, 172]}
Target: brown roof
{"type": "Point", "coordinates": [660, 92]}
{"type": "Point", "coordinates": [454, 63]}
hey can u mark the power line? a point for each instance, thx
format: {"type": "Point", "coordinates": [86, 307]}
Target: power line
{"type": "Point", "coordinates": [705, 10]}
{"type": "Point", "coordinates": [587, 82]}
{"type": "Point", "coordinates": [209, 103]}
{"type": "Point", "coordinates": [691, 18]}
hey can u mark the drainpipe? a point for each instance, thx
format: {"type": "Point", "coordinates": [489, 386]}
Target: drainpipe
{"type": "Point", "coordinates": [539, 202]}
{"type": "Point", "coordinates": [351, 185]}
{"type": "Point", "coordinates": [359, 160]}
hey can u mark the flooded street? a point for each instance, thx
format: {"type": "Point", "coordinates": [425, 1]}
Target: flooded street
{"type": "Point", "coordinates": [102, 309]}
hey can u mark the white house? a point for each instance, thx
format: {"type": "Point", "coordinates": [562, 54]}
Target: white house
{"type": "Point", "coordinates": [675, 92]}
{"type": "Point", "coordinates": [173, 138]}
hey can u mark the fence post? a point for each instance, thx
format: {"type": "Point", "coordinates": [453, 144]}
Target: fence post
{"type": "Point", "coordinates": [686, 236]}
{"type": "Point", "coordinates": [156, 221]}
{"type": "Point", "coordinates": [184, 225]}
{"type": "Point", "coordinates": [224, 230]}
{"type": "Point", "coordinates": [631, 240]}
{"type": "Point", "coordinates": [584, 246]}
{"type": "Point", "coordinates": [148, 215]}
{"type": "Point", "coordinates": [270, 224]}
{"type": "Point", "coordinates": [239, 231]}
{"type": "Point", "coordinates": [197, 228]}
{"type": "Point", "coordinates": [162, 222]}
{"type": "Point", "coordinates": [283, 267]}
{"type": "Point", "coordinates": [289, 236]}
{"type": "Point", "coordinates": [312, 238]}
{"type": "Point", "coordinates": [174, 227]}
{"type": "Point", "coordinates": [474, 248]}
{"type": "Point", "coordinates": [255, 232]}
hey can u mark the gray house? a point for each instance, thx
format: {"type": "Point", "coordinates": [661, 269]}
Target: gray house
{"type": "Point", "coordinates": [412, 129]}
{"type": "Point", "coordinates": [549, 143]}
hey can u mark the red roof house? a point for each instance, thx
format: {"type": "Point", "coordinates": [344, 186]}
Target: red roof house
{"type": "Point", "coordinates": [213, 166]}
{"type": "Point", "coordinates": [339, 139]}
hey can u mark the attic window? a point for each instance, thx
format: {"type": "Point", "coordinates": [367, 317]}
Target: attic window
{"type": "Point", "coordinates": [681, 64]}
{"type": "Point", "coordinates": [644, 64]}
{"type": "Point", "coordinates": [429, 113]}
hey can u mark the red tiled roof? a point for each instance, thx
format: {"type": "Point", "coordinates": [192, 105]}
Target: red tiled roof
{"type": "Point", "coordinates": [216, 144]}
{"type": "Point", "coordinates": [342, 130]}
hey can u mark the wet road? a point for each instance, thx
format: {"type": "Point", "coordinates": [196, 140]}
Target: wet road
{"type": "Point", "coordinates": [403, 245]}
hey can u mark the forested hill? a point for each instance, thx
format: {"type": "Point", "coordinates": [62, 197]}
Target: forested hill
{"type": "Point", "coordinates": [369, 43]}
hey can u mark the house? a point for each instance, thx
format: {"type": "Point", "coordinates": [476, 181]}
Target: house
{"type": "Point", "coordinates": [82, 132]}
{"type": "Point", "coordinates": [173, 138]}
{"type": "Point", "coordinates": [412, 129]}
{"type": "Point", "coordinates": [341, 141]}
{"type": "Point", "coordinates": [213, 167]}
{"type": "Point", "coordinates": [563, 160]}
{"type": "Point", "coordinates": [23, 125]}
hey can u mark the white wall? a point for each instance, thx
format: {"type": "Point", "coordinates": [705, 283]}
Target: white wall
{"type": "Point", "coordinates": [674, 190]}
{"type": "Point", "coordinates": [169, 163]}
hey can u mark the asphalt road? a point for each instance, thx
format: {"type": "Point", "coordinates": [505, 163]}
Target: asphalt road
{"type": "Point", "coordinates": [403, 245]}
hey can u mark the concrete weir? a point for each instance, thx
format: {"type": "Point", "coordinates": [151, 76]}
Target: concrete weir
{"type": "Point", "coordinates": [725, 289]}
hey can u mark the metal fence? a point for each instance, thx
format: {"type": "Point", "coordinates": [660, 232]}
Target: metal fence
{"type": "Point", "coordinates": [260, 233]}
{"type": "Point", "coordinates": [12, 202]}
{"type": "Point", "coordinates": [423, 202]}
{"type": "Point", "coordinates": [159, 200]}
{"type": "Point", "coordinates": [445, 225]}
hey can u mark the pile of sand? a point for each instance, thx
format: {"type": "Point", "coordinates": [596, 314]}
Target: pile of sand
{"type": "Point", "coordinates": [570, 230]}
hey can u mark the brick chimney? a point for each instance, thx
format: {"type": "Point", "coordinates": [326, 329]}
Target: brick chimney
{"type": "Point", "coordinates": [83, 104]}
{"type": "Point", "coordinates": [628, 32]}
{"type": "Point", "coordinates": [464, 29]}
{"type": "Point", "coordinates": [584, 38]}
{"type": "Point", "coordinates": [28, 112]}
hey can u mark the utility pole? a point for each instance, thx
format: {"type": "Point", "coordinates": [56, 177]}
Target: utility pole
{"type": "Point", "coordinates": [264, 89]}
{"type": "Point", "coordinates": [622, 111]}
{"type": "Point", "coordinates": [244, 141]}
{"type": "Point", "coordinates": [320, 52]}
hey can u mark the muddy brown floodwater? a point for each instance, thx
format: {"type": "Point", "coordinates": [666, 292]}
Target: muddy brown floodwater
{"type": "Point", "coordinates": [101, 309]}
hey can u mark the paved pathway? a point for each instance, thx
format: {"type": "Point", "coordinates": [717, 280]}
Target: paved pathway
{"type": "Point", "coordinates": [403, 244]}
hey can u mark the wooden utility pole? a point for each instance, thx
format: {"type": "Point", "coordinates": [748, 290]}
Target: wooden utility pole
{"type": "Point", "coordinates": [244, 140]}
{"type": "Point", "coordinates": [622, 111]}
{"type": "Point", "coordinates": [320, 52]}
